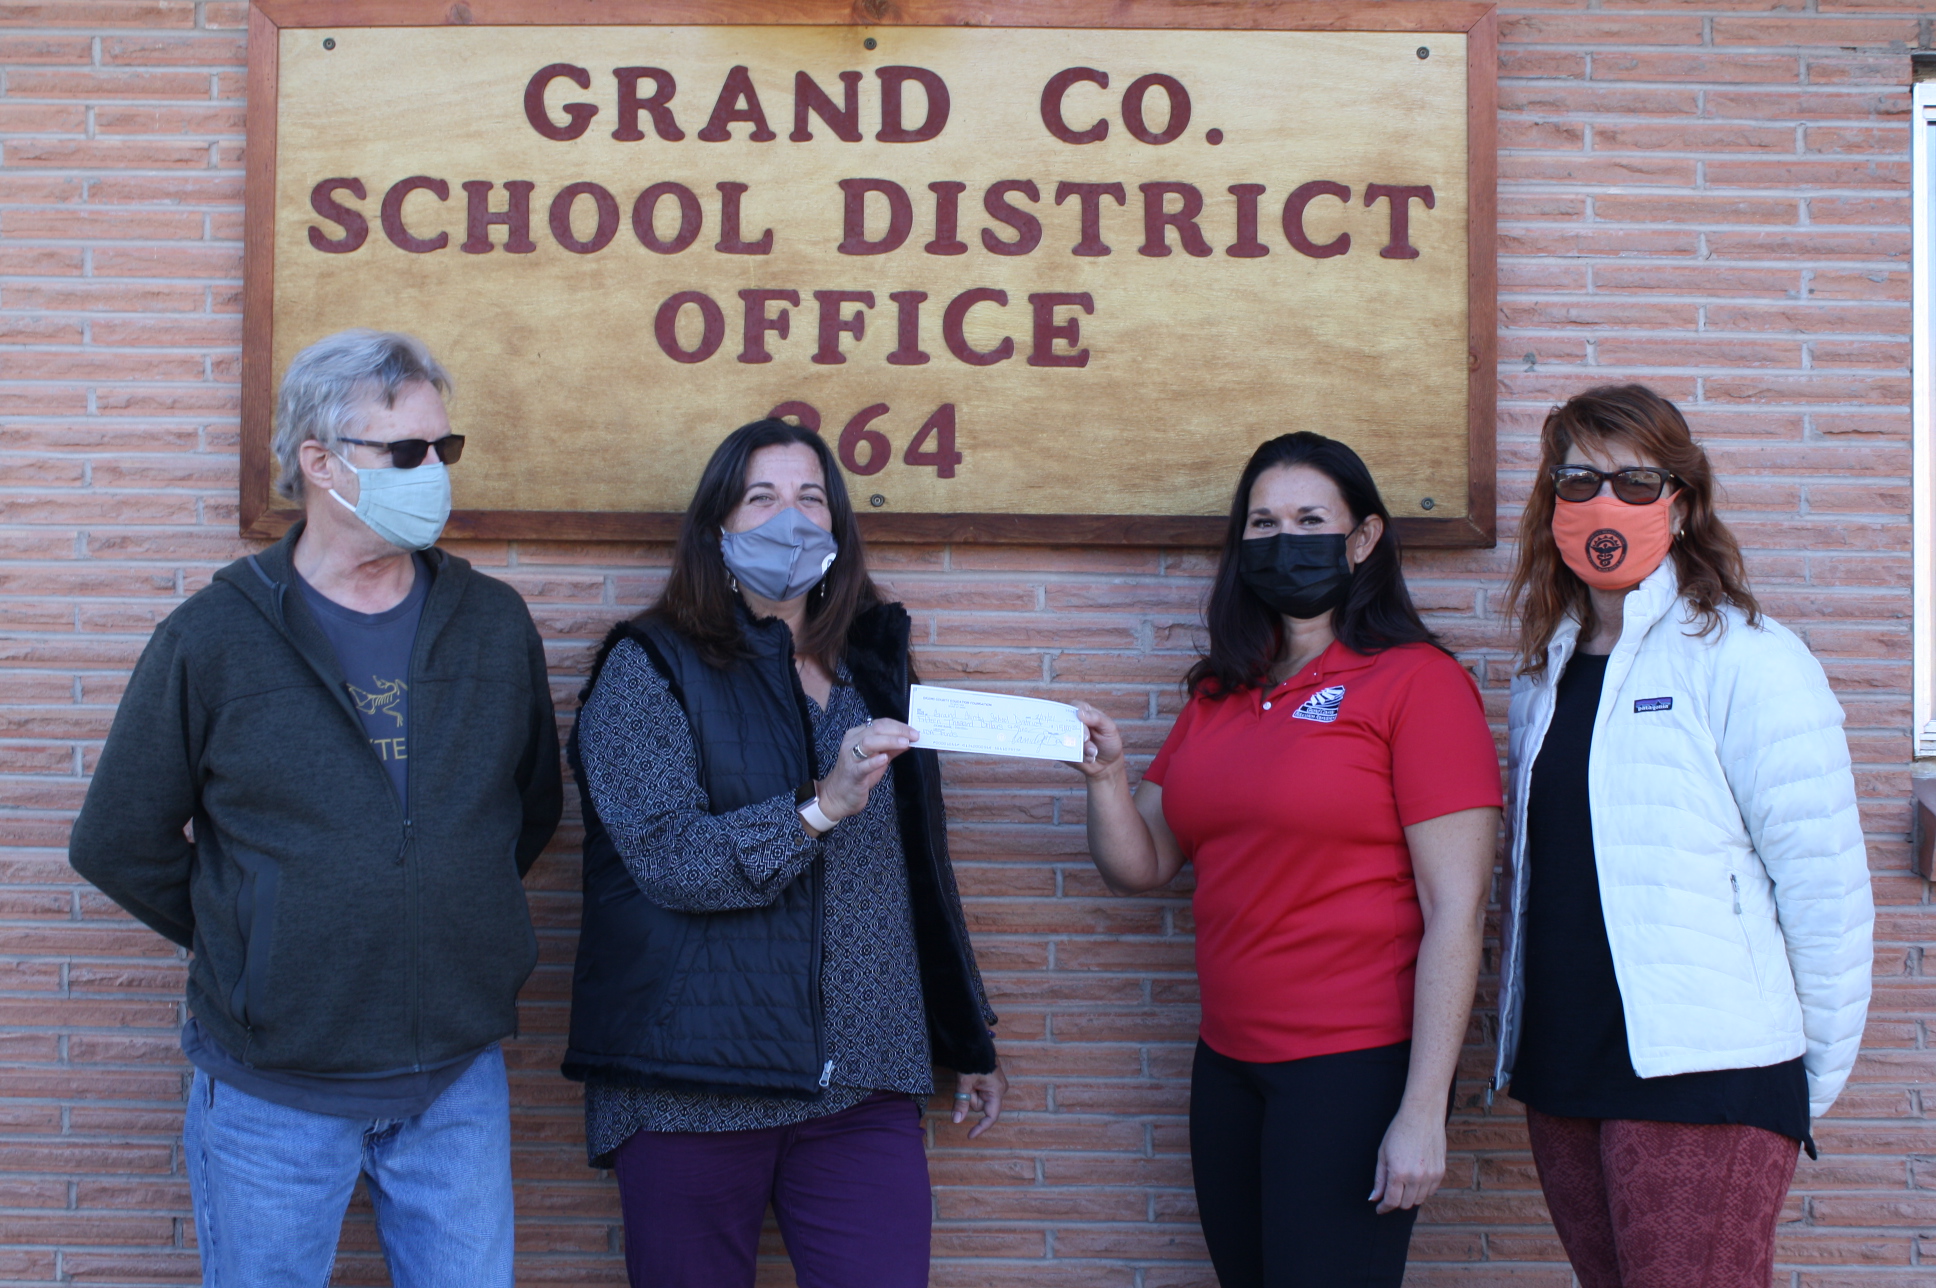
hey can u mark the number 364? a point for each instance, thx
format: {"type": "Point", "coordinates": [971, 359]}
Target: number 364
{"type": "Point", "coordinates": [932, 444]}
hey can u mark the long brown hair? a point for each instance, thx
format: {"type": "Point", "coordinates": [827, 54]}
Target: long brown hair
{"type": "Point", "coordinates": [699, 600]}
{"type": "Point", "coordinates": [1707, 560]}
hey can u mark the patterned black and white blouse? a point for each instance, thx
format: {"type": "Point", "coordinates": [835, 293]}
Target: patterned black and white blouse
{"type": "Point", "coordinates": [643, 774]}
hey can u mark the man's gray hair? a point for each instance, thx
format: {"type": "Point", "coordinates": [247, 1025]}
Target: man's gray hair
{"type": "Point", "coordinates": [331, 387]}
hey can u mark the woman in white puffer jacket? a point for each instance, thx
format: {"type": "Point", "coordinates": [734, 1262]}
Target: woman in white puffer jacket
{"type": "Point", "coordinates": [1686, 944]}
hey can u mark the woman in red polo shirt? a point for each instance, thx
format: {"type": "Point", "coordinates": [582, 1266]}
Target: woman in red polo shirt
{"type": "Point", "coordinates": [1334, 782]}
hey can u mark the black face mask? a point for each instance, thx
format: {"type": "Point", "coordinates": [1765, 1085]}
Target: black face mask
{"type": "Point", "coordinates": [1300, 575]}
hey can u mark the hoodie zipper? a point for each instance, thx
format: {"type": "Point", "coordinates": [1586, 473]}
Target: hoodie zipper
{"type": "Point", "coordinates": [280, 590]}
{"type": "Point", "coordinates": [413, 872]}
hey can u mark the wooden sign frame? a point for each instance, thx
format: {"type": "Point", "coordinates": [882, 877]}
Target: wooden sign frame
{"type": "Point", "coordinates": [1477, 22]}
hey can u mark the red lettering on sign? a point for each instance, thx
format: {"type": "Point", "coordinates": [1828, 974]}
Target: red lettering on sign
{"type": "Point", "coordinates": [665, 327]}
{"type": "Point", "coordinates": [1399, 246]}
{"type": "Point", "coordinates": [1052, 93]}
{"type": "Point", "coordinates": [806, 413]}
{"type": "Point", "coordinates": [393, 226]}
{"type": "Point", "coordinates": [941, 427]}
{"type": "Point", "coordinates": [938, 428]}
{"type": "Point", "coordinates": [356, 229]}
{"type": "Point", "coordinates": [947, 214]}
{"type": "Point", "coordinates": [758, 323]}
{"type": "Point", "coordinates": [1069, 330]}
{"type": "Point", "coordinates": [1156, 219]}
{"type": "Point", "coordinates": [630, 104]}
{"type": "Point", "coordinates": [1133, 108]}
{"type": "Point", "coordinates": [893, 81]}
{"type": "Point", "coordinates": [1294, 219]}
{"type": "Point", "coordinates": [857, 433]}
{"type": "Point", "coordinates": [601, 237]}
{"type": "Point", "coordinates": [900, 216]}
{"type": "Point", "coordinates": [833, 325]}
{"type": "Point", "coordinates": [730, 242]}
{"type": "Point", "coordinates": [907, 321]}
{"type": "Point", "coordinates": [956, 314]}
{"type": "Point", "coordinates": [645, 211]}
{"type": "Point", "coordinates": [578, 115]}
{"type": "Point", "coordinates": [844, 120]}
{"type": "Point", "coordinates": [1028, 229]}
{"type": "Point", "coordinates": [516, 217]}
{"type": "Point", "coordinates": [1247, 246]}
{"type": "Point", "coordinates": [738, 102]}
{"type": "Point", "coordinates": [1090, 195]}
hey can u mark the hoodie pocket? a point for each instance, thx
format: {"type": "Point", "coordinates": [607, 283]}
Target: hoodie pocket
{"type": "Point", "coordinates": [255, 919]}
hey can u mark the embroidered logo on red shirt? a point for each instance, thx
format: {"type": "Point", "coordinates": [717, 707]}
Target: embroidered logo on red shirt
{"type": "Point", "coordinates": [1321, 706]}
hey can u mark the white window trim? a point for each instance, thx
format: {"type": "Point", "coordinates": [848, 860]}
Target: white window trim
{"type": "Point", "coordinates": [1923, 494]}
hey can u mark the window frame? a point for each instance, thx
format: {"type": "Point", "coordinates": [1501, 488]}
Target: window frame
{"type": "Point", "coordinates": [1922, 452]}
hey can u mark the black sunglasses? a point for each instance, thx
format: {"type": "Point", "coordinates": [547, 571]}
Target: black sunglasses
{"type": "Point", "coordinates": [409, 453]}
{"type": "Point", "coordinates": [1636, 485]}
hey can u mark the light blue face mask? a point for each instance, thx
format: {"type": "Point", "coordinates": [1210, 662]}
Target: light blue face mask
{"type": "Point", "coordinates": [407, 508]}
{"type": "Point", "coordinates": [783, 558]}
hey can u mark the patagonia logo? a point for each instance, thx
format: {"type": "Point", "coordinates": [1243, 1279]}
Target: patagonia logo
{"type": "Point", "coordinates": [1321, 706]}
{"type": "Point", "coordinates": [1606, 549]}
{"type": "Point", "coordinates": [1653, 704]}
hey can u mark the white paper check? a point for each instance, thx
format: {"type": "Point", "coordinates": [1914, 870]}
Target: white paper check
{"type": "Point", "coordinates": [994, 724]}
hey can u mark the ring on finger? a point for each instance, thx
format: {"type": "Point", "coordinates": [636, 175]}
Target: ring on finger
{"type": "Point", "coordinates": [858, 753]}
{"type": "Point", "coordinates": [961, 1095]}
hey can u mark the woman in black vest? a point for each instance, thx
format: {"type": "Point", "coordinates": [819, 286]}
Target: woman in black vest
{"type": "Point", "coordinates": [773, 955]}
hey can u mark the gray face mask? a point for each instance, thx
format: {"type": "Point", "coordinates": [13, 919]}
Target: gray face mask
{"type": "Point", "coordinates": [783, 558]}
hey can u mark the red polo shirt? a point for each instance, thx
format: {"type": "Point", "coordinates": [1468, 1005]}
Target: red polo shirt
{"type": "Point", "coordinates": [1292, 804]}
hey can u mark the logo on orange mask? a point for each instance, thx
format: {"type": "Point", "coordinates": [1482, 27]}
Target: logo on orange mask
{"type": "Point", "coordinates": [1607, 549]}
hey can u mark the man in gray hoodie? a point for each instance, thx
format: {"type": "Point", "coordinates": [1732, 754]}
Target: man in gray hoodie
{"type": "Point", "coordinates": [330, 773]}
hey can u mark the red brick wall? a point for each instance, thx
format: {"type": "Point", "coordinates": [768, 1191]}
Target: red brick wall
{"type": "Point", "coordinates": [1710, 197]}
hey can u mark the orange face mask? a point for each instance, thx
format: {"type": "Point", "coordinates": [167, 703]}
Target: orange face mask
{"type": "Point", "coordinates": [1610, 544]}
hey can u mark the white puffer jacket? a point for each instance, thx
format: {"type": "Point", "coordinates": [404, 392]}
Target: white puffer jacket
{"type": "Point", "coordinates": [1732, 872]}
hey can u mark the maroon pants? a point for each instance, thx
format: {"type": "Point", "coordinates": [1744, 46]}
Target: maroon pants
{"type": "Point", "coordinates": [850, 1191]}
{"type": "Point", "coordinates": [1663, 1205]}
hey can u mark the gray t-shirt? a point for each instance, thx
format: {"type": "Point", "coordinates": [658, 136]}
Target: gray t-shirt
{"type": "Point", "coordinates": [374, 651]}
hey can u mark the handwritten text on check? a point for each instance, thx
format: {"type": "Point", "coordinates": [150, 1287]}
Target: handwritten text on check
{"type": "Point", "coordinates": [995, 724]}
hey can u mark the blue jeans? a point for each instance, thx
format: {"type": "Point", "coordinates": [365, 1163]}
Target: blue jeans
{"type": "Point", "coordinates": [271, 1184]}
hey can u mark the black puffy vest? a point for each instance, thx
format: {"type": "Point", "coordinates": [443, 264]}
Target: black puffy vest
{"type": "Point", "coordinates": [730, 1001]}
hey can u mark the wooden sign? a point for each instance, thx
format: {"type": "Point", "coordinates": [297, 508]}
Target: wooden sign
{"type": "Point", "coordinates": [1036, 283]}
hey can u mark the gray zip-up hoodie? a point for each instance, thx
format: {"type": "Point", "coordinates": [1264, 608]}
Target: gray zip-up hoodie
{"type": "Point", "coordinates": [335, 929]}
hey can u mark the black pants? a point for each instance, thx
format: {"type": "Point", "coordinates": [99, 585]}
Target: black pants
{"type": "Point", "coordinates": [1284, 1155]}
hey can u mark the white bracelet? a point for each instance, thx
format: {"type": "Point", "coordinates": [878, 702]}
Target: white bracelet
{"type": "Point", "coordinates": [815, 817]}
